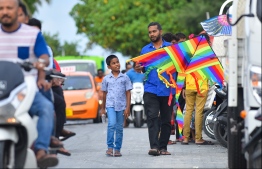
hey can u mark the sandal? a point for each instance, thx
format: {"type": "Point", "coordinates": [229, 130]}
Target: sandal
{"type": "Point", "coordinates": [170, 142]}
{"type": "Point", "coordinates": [63, 151]}
{"type": "Point", "coordinates": [154, 152]}
{"type": "Point", "coordinates": [66, 134]}
{"type": "Point", "coordinates": [205, 143]}
{"type": "Point", "coordinates": [164, 152]}
{"type": "Point", "coordinates": [117, 153]}
{"type": "Point", "coordinates": [109, 152]}
{"type": "Point", "coordinates": [184, 142]}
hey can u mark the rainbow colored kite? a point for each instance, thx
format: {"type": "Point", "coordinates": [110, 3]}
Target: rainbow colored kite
{"type": "Point", "coordinates": [193, 56]}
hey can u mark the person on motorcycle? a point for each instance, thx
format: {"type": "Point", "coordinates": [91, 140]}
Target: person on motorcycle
{"type": "Point", "coordinates": [20, 42]}
{"type": "Point", "coordinates": [135, 75]}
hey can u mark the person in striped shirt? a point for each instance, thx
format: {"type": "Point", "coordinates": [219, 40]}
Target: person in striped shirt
{"type": "Point", "coordinates": [20, 42]}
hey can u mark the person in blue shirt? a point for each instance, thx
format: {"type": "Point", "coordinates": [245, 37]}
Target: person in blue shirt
{"type": "Point", "coordinates": [156, 97]}
{"type": "Point", "coordinates": [135, 75]}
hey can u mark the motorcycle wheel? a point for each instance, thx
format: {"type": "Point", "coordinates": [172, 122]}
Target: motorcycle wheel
{"type": "Point", "coordinates": [207, 126]}
{"type": "Point", "coordinates": [138, 123]}
{"type": "Point", "coordinates": [5, 151]}
{"type": "Point", "coordinates": [220, 132]}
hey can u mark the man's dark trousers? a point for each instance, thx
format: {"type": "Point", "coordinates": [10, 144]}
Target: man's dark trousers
{"type": "Point", "coordinates": [153, 105]}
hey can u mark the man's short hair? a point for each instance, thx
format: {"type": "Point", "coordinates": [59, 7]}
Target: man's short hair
{"type": "Point", "coordinates": [155, 24]}
{"type": "Point", "coordinates": [35, 22]}
{"type": "Point", "coordinates": [23, 7]}
{"type": "Point", "coordinates": [180, 35]}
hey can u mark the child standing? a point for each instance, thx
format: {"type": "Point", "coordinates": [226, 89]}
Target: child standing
{"type": "Point", "coordinates": [116, 101]}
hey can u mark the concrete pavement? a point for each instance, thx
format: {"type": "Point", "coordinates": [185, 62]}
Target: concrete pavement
{"type": "Point", "coordinates": [89, 145]}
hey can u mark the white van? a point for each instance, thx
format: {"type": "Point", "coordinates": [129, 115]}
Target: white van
{"type": "Point", "coordinates": [78, 65]}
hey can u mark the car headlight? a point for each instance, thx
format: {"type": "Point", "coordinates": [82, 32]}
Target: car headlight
{"type": "Point", "coordinates": [8, 109]}
{"type": "Point", "coordinates": [255, 78]}
{"type": "Point", "coordinates": [88, 95]}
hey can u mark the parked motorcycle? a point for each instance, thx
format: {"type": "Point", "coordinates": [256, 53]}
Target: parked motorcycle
{"type": "Point", "coordinates": [209, 111]}
{"type": "Point", "coordinates": [137, 112]}
{"type": "Point", "coordinates": [220, 118]}
{"type": "Point", "coordinates": [17, 128]}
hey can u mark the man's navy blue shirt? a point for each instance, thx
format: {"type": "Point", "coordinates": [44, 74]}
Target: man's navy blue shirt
{"type": "Point", "coordinates": [153, 84]}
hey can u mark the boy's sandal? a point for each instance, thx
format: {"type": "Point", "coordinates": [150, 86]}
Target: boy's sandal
{"type": "Point", "coordinates": [109, 152]}
{"type": "Point", "coordinates": [164, 152]}
{"type": "Point", "coordinates": [63, 151]}
{"type": "Point", "coordinates": [154, 152]}
{"type": "Point", "coordinates": [117, 154]}
{"type": "Point", "coordinates": [205, 143]}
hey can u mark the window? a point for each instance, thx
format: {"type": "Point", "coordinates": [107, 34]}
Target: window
{"type": "Point", "coordinates": [77, 83]}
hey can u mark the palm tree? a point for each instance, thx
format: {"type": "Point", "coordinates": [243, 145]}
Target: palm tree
{"type": "Point", "coordinates": [32, 4]}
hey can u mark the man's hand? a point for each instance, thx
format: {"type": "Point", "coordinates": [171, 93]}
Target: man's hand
{"type": "Point", "coordinates": [127, 113]}
{"type": "Point", "coordinates": [41, 83]}
{"type": "Point", "coordinates": [39, 65]}
{"type": "Point", "coordinates": [138, 67]}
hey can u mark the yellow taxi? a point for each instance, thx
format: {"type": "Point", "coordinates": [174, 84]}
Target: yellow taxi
{"type": "Point", "coordinates": [81, 96]}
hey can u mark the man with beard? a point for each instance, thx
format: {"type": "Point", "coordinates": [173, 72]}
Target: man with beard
{"type": "Point", "coordinates": [22, 42]}
{"type": "Point", "coordinates": [156, 97]}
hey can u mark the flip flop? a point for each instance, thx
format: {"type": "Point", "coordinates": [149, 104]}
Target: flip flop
{"type": "Point", "coordinates": [184, 143]}
{"type": "Point", "coordinates": [205, 143]}
{"type": "Point", "coordinates": [64, 152]}
{"type": "Point", "coordinates": [164, 152]}
{"type": "Point", "coordinates": [117, 154]}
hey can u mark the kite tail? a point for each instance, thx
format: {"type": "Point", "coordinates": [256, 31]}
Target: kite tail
{"type": "Point", "coordinates": [180, 120]}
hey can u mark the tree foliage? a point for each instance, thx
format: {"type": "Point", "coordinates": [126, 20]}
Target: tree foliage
{"type": "Point", "coordinates": [121, 25]}
{"type": "Point", "coordinates": [32, 4]}
{"type": "Point", "coordinates": [67, 48]}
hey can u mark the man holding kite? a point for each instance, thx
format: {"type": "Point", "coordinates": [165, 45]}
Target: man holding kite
{"type": "Point", "coordinates": [157, 95]}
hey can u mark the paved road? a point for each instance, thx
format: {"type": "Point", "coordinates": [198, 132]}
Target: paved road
{"type": "Point", "coordinates": [89, 145]}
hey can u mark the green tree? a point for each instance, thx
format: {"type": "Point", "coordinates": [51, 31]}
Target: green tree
{"type": "Point", "coordinates": [53, 42]}
{"type": "Point", "coordinates": [66, 48]}
{"type": "Point", "coordinates": [32, 4]}
{"type": "Point", "coordinates": [121, 25]}
{"type": "Point", "coordinates": [70, 49]}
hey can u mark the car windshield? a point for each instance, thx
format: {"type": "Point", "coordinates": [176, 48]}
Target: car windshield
{"type": "Point", "coordinates": [77, 83]}
{"type": "Point", "coordinates": [85, 67]}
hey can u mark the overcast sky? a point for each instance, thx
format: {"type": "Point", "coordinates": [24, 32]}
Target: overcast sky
{"type": "Point", "coordinates": [56, 19]}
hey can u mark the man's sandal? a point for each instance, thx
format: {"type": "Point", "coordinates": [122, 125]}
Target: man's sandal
{"type": "Point", "coordinates": [164, 152]}
{"type": "Point", "coordinates": [154, 152]}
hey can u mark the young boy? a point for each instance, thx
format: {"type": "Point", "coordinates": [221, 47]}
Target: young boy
{"type": "Point", "coordinates": [116, 100]}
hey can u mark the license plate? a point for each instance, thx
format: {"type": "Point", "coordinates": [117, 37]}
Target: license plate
{"type": "Point", "coordinates": [69, 112]}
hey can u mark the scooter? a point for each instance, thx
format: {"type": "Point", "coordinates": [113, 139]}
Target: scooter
{"type": "Point", "coordinates": [137, 112]}
{"type": "Point", "coordinates": [18, 129]}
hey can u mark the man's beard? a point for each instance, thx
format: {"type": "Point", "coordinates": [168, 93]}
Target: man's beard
{"type": "Point", "coordinates": [8, 25]}
{"type": "Point", "coordinates": [157, 38]}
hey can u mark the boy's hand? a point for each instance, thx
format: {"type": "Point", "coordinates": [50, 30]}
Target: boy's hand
{"type": "Point", "coordinates": [103, 111]}
{"type": "Point", "coordinates": [126, 113]}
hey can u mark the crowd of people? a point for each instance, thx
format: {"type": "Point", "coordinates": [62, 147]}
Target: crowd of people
{"type": "Point", "coordinates": [156, 97]}
{"type": "Point", "coordinates": [21, 39]}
